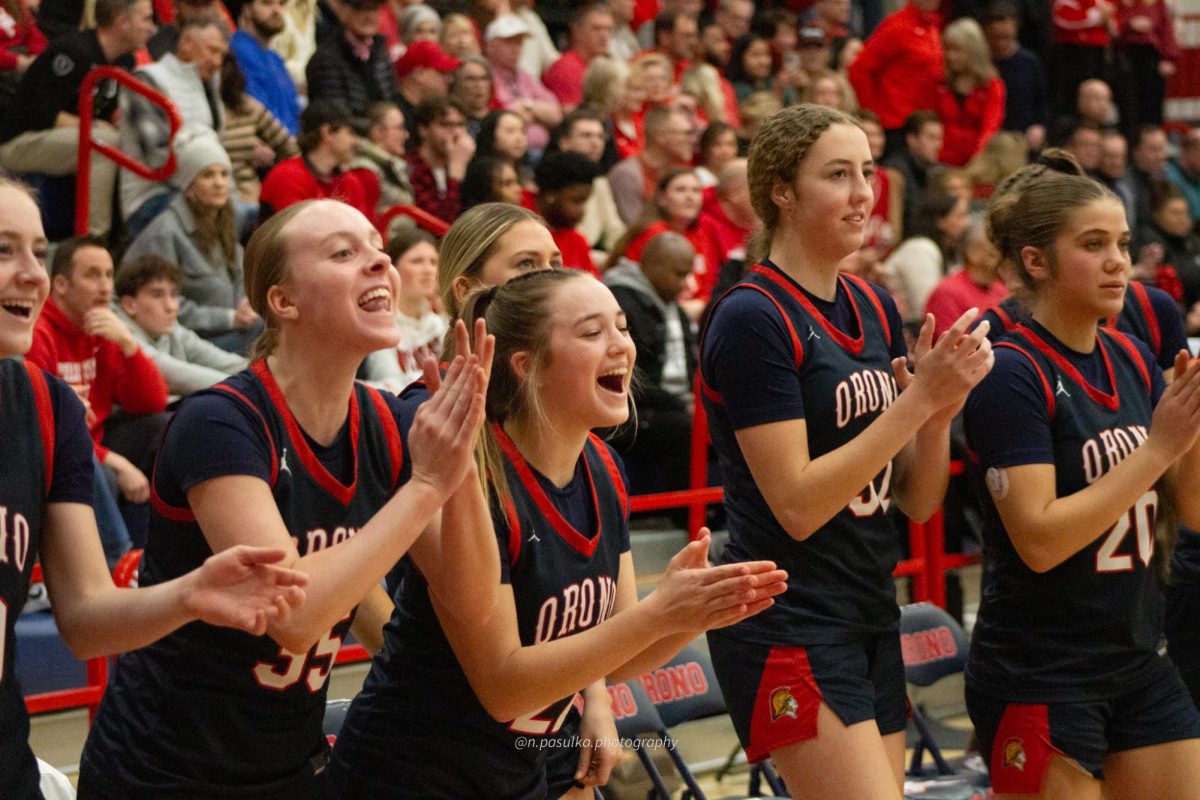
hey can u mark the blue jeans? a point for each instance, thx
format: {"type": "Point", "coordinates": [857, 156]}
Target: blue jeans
{"type": "Point", "coordinates": [114, 535]}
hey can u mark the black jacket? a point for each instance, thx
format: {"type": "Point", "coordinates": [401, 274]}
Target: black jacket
{"type": "Point", "coordinates": [335, 73]}
{"type": "Point", "coordinates": [644, 313]}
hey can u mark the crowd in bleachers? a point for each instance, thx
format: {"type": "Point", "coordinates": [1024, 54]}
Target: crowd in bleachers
{"type": "Point", "coordinates": [624, 123]}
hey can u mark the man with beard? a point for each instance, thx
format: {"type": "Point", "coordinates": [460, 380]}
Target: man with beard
{"type": "Point", "coordinates": [267, 79]}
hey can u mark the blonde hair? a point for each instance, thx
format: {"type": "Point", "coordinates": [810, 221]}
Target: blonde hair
{"type": "Point", "coordinates": [469, 243]}
{"type": "Point", "coordinates": [518, 315]}
{"type": "Point", "coordinates": [604, 84]}
{"type": "Point", "coordinates": [849, 101]}
{"type": "Point", "coordinates": [9, 182]}
{"type": "Point", "coordinates": [781, 145]}
{"type": "Point", "coordinates": [266, 265]}
{"type": "Point", "coordinates": [966, 33]}
{"type": "Point", "coordinates": [703, 82]}
{"type": "Point", "coordinates": [1004, 154]}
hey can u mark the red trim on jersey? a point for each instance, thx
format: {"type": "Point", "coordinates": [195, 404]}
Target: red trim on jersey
{"type": "Point", "coordinates": [1037, 368]}
{"type": "Point", "coordinates": [1143, 298]}
{"type": "Point", "coordinates": [390, 432]}
{"type": "Point", "coordinates": [173, 513]}
{"type": "Point", "coordinates": [266, 428]}
{"type": "Point", "coordinates": [614, 474]}
{"type": "Point", "coordinates": [564, 529]}
{"type": "Point", "coordinates": [45, 416]}
{"type": "Point", "coordinates": [339, 491]}
{"type": "Point", "coordinates": [1005, 319]}
{"type": "Point", "coordinates": [875, 301]}
{"type": "Point", "coordinates": [853, 346]}
{"type": "Point", "coordinates": [514, 529]}
{"type": "Point", "coordinates": [1109, 401]}
{"type": "Point", "coordinates": [797, 348]}
{"type": "Point", "coordinates": [1138, 361]}
{"type": "Point", "coordinates": [1021, 749]}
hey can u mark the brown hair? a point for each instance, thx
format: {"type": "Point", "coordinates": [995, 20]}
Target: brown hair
{"type": "Point", "coordinates": [266, 265]}
{"type": "Point", "coordinates": [136, 274]}
{"type": "Point", "coordinates": [1033, 205]}
{"type": "Point", "coordinates": [775, 156]}
{"type": "Point", "coordinates": [518, 315]}
{"type": "Point", "coordinates": [216, 234]}
{"type": "Point", "coordinates": [653, 213]}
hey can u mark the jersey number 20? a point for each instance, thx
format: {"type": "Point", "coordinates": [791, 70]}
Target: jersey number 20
{"type": "Point", "coordinates": [1141, 519]}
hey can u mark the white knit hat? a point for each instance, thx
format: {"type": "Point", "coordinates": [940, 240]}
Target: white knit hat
{"type": "Point", "coordinates": [196, 148]}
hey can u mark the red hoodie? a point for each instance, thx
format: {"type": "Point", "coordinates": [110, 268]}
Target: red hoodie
{"type": "Point", "coordinates": [900, 66]}
{"type": "Point", "coordinates": [62, 349]}
{"type": "Point", "coordinates": [1081, 22]}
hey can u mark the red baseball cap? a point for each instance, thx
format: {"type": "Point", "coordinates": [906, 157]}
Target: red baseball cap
{"type": "Point", "coordinates": [426, 54]}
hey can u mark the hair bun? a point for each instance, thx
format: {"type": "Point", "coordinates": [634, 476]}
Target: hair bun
{"type": "Point", "coordinates": [1055, 159]}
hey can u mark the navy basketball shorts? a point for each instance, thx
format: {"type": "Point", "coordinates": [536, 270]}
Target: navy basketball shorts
{"type": "Point", "coordinates": [1019, 739]}
{"type": "Point", "coordinates": [773, 692]}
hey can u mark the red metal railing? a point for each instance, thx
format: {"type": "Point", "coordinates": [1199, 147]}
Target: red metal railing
{"type": "Point", "coordinates": [83, 174]}
{"type": "Point", "coordinates": [926, 566]}
{"type": "Point", "coordinates": [429, 222]}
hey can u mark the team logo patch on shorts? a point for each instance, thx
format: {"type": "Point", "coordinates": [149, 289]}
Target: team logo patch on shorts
{"type": "Point", "coordinates": [783, 704]}
{"type": "Point", "coordinates": [1014, 753]}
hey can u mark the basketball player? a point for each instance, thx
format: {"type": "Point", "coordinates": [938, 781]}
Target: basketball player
{"type": "Point", "coordinates": [295, 453]}
{"type": "Point", "coordinates": [1077, 445]}
{"type": "Point", "coordinates": [46, 514]}
{"type": "Point", "coordinates": [451, 710]}
{"type": "Point", "coordinates": [802, 369]}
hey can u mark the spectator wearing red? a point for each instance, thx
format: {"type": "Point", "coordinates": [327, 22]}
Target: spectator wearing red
{"type": "Point", "coordinates": [677, 37]}
{"type": "Point", "coordinates": [900, 66]}
{"type": "Point", "coordinates": [20, 39]}
{"type": "Point", "coordinates": [971, 99]}
{"type": "Point", "coordinates": [617, 92]}
{"type": "Point", "coordinates": [80, 339]}
{"type": "Point", "coordinates": [440, 160]}
{"type": "Point", "coordinates": [565, 186]}
{"type": "Point", "coordinates": [328, 144]}
{"type": "Point", "coordinates": [591, 30]}
{"type": "Point", "coordinates": [676, 207]}
{"type": "Point", "coordinates": [976, 285]}
{"type": "Point", "coordinates": [727, 212]}
{"type": "Point", "coordinates": [1081, 39]}
{"type": "Point", "coordinates": [668, 144]}
{"type": "Point", "coordinates": [424, 72]}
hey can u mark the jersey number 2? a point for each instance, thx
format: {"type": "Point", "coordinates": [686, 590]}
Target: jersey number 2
{"type": "Point", "coordinates": [536, 725]}
{"type": "Point", "coordinates": [1141, 519]}
{"type": "Point", "coordinates": [289, 668]}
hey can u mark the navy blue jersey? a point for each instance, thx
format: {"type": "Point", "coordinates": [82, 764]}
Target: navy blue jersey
{"type": "Point", "coordinates": [48, 458]}
{"type": "Point", "coordinates": [773, 352]}
{"type": "Point", "coordinates": [1090, 625]}
{"type": "Point", "coordinates": [1149, 314]}
{"type": "Point", "coordinates": [216, 712]}
{"type": "Point", "coordinates": [560, 551]}
{"type": "Point", "coordinates": [1004, 316]}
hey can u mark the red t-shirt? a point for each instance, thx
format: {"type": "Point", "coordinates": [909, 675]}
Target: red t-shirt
{"type": "Point", "coordinates": [292, 181]}
{"type": "Point", "coordinates": [565, 78]}
{"type": "Point", "coordinates": [576, 253]}
{"type": "Point", "coordinates": [708, 256]}
{"type": "Point", "coordinates": [956, 294]}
